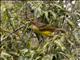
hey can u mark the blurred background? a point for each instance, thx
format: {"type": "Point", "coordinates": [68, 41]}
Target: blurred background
{"type": "Point", "coordinates": [19, 42]}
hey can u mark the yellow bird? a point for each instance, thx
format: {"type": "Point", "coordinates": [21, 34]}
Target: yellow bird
{"type": "Point", "coordinates": [44, 29]}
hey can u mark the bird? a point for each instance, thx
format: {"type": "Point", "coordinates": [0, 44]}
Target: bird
{"type": "Point", "coordinates": [44, 29]}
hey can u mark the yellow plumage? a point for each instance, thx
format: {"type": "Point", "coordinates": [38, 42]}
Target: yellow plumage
{"type": "Point", "coordinates": [46, 33]}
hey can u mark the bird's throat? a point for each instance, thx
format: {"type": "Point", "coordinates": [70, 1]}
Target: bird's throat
{"type": "Point", "coordinates": [35, 28]}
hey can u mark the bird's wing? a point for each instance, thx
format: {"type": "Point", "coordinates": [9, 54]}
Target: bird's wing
{"type": "Point", "coordinates": [48, 28]}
